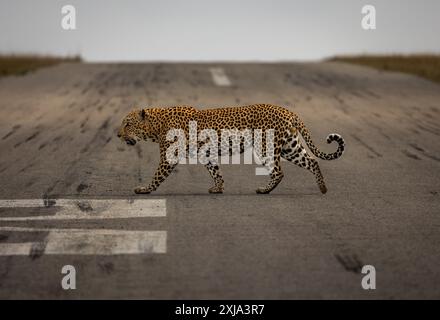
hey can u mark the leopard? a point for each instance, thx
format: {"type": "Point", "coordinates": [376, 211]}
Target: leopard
{"type": "Point", "coordinates": [153, 124]}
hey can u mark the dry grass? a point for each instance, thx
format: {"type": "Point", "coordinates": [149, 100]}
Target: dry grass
{"type": "Point", "coordinates": [22, 64]}
{"type": "Point", "coordinates": [426, 66]}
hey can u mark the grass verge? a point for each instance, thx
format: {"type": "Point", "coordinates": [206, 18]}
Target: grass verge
{"type": "Point", "coordinates": [426, 66]}
{"type": "Point", "coordinates": [23, 64]}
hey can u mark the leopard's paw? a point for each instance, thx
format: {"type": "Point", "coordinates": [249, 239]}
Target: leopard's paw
{"type": "Point", "coordinates": [216, 189]}
{"type": "Point", "coordinates": [262, 190]}
{"type": "Point", "coordinates": [142, 190]}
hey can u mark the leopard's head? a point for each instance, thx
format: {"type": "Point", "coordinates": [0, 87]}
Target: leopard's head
{"type": "Point", "coordinates": [136, 127]}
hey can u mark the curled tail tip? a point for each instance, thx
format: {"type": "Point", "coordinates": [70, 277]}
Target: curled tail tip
{"type": "Point", "coordinates": [334, 137]}
{"type": "Point", "coordinates": [338, 138]}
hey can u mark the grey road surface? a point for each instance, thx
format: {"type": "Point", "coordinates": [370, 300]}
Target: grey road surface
{"type": "Point", "coordinates": [58, 141]}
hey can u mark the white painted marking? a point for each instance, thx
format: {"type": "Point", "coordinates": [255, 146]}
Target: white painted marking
{"type": "Point", "coordinates": [28, 203]}
{"type": "Point", "coordinates": [16, 249]}
{"type": "Point", "coordinates": [88, 242]}
{"type": "Point", "coordinates": [219, 77]}
{"type": "Point", "coordinates": [73, 209]}
{"type": "Point", "coordinates": [262, 171]}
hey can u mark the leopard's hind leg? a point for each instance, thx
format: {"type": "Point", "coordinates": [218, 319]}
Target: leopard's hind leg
{"type": "Point", "coordinates": [276, 175]}
{"type": "Point", "coordinates": [296, 153]}
{"type": "Point", "coordinates": [215, 172]}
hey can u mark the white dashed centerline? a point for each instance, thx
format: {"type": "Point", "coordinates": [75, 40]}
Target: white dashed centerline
{"type": "Point", "coordinates": [219, 77]}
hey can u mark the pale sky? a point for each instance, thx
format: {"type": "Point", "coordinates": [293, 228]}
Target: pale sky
{"type": "Point", "coordinates": [227, 30]}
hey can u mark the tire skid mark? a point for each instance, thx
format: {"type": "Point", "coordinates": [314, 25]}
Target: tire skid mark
{"type": "Point", "coordinates": [5, 267]}
{"type": "Point", "coordinates": [100, 137]}
{"type": "Point", "coordinates": [378, 128]}
{"type": "Point", "coordinates": [370, 93]}
{"type": "Point", "coordinates": [139, 167]}
{"type": "Point", "coordinates": [366, 146]}
{"type": "Point", "coordinates": [429, 122]}
{"type": "Point", "coordinates": [341, 104]}
{"type": "Point", "coordinates": [415, 131]}
{"type": "Point", "coordinates": [81, 187]}
{"type": "Point", "coordinates": [37, 250]}
{"type": "Point", "coordinates": [84, 122]}
{"type": "Point", "coordinates": [26, 167]}
{"type": "Point", "coordinates": [57, 138]}
{"type": "Point", "coordinates": [377, 115]}
{"type": "Point", "coordinates": [139, 151]}
{"type": "Point", "coordinates": [33, 136]}
{"type": "Point", "coordinates": [13, 130]}
{"type": "Point", "coordinates": [428, 116]}
{"type": "Point", "coordinates": [411, 155]}
{"type": "Point", "coordinates": [424, 152]}
{"type": "Point", "coordinates": [106, 267]}
{"type": "Point", "coordinates": [423, 124]}
{"type": "Point", "coordinates": [425, 128]}
{"type": "Point", "coordinates": [30, 138]}
{"type": "Point", "coordinates": [350, 262]}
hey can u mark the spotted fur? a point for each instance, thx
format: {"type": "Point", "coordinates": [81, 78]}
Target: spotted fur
{"type": "Point", "coordinates": [154, 123]}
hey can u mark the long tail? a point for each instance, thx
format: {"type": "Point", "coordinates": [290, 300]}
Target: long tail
{"type": "Point", "coordinates": [330, 138]}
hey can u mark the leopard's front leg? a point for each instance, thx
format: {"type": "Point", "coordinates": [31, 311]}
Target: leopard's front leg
{"type": "Point", "coordinates": [276, 174]}
{"type": "Point", "coordinates": [162, 172]}
{"type": "Point", "coordinates": [214, 171]}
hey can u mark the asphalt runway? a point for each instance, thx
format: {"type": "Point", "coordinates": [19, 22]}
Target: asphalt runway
{"type": "Point", "coordinates": [67, 188]}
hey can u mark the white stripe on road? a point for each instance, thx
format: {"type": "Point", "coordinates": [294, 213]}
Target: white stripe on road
{"type": "Point", "coordinates": [28, 203]}
{"type": "Point", "coordinates": [88, 242]}
{"type": "Point", "coordinates": [16, 249]}
{"type": "Point", "coordinates": [219, 77]}
{"type": "Point", "coordinates": [73, 209]}
{"type": "Point", "coordinates": [262, 171]}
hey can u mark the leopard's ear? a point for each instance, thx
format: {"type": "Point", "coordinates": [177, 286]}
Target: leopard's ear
{"type": "Point", "coordinates": [143, 114]}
